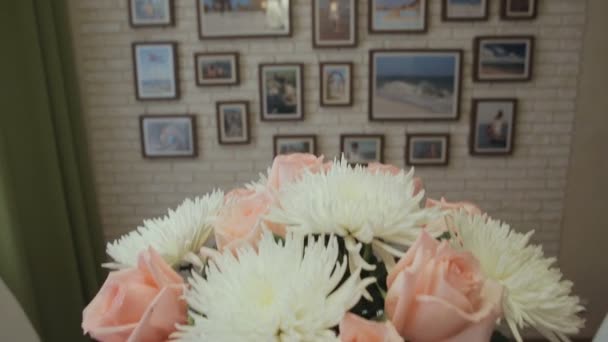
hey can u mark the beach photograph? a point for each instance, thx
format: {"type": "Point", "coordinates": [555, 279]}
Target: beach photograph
{"type": "Point", "coordinates": [398, 15]}
{"type": "Point", "coordinates": [465, 9]}
{"type": "Point", "coordinates": [153, 11]}
{"type": "Point", "coordinates": [228, 18]}
{"type": "Point", "coordinates": [293, 144]}
{"type": "Point", "coordinates": [504, 58]}
{"type": "Point", "coordinates": [281, 92]}
{"type": "Point", "coordinates": [334, 22]}
{"type": "Point", "coordinates": [155, 71]}
{"type": "Point", "coordinates": [493, 126]}
{"type": "Point", "coordinates": [362, 150]}
{"type": "Point", "coordinates": [429, 149]}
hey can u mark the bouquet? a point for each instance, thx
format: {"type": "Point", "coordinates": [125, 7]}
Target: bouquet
{"type": "Point", "coordinates": [327, 251]}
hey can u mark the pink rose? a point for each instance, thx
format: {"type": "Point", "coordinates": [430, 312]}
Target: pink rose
{"type": "Point", "coordinates": [356, 329]}
{"type": "Point", "coordinates": [438, 294]}
{"type": "Point", "coordinates": [470, 208]}
{"type": "Point", "coordinates": [393, 170]}
{"type": "Point", "coordinates": [289, 168]}
{"type": "Point", "coordinates": [137, 304]}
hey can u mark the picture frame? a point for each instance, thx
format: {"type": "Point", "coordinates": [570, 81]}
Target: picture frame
{"type": "Point", "coordinates": [519, 9]}
{"type": "Point", "coordinates": [465, 10]}
{"type": "Point", "coordinates": [362, 149]}
{"type": "Point", "coordinates": [217, 69]}
{"type": "Point", "coordinates": [281, 87]}
{"type": "Point", "coordinates": [415, 84]}
{"type": "Point", "coordinates": [334, 23]}
{"type": "Point", "coordinates": [168, 136]}
{"type": "Point", "coordinates": [384, 16]}
{"type": "Point", "coordinates": [253, 19]}
{"type": "Point", "coordinates": [151, 13]}
{"type": "Point", "coordinates": [493, 124]}
{"type": "Point", "coordinates": [336, 88]}
{"type": "Point", "coordinates": [233, 126]}
{"type": "Point", "coordinates": [155, 71]}
{"type": "Point", "coordinates": [286, 144]}
{"type": "Point", "coordinates": [427, 149]}
{"type": "Point", "coordinates": [503, 58]}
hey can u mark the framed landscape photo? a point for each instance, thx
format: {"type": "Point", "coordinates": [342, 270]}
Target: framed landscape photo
{"type": "Point", "coordinates": [336, 84]}
{"type": "Point", "coordinates": [362, 148]}
{"type": "Point", "coordinates": [217, 69]}
{"type": "Point", "coordinates": [397, 16]}
{"type": "Point", "coordinates": [427, 149]}
{"type": "Point", "coordinates": [168, 136]}
{"type": "Point", "coordinates": [233, 122]}
{"type": "Point", "coordinates": [288, 144]}
{"type": "Point", "coordinates": [464, 10]}
{"type": "Point", "coordinates": [334, 23]}
{"type": "Point", "coordinates": [519, 9]}
{"type": "Point", "coordinates": [150, 13]}
{"type": "Point", "coordinates": [493, 126]}
{"type": "Point", "coordinates": [503, 59]}
{"type": "Point", "coordinates": [281, 92]}
{"type": "Point", "coordinates": [244, 18]}
{"type": "Point", "coordinates": [155, 71]}
{"type": "Point", "coordinates": [414, 85]}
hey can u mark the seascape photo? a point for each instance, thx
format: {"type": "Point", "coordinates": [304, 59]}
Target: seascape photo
{"type": "Point", "coordinates": [398, 15]}
{"type": "Point", "coordinates": [493, 126]}
{"type": "Point", "coordinates": [226, 18]}
{"type": "Point", "coordinates": [465, 9]}
{"type": "Point", "coordinates": [153, 11]}
{"type": "Point", "coordinates": [155, 71]}
{"type": "Point", "coordinates": [280, 88]}
{"type": "Point", "coordinates": [336, 84]}
{"type": "Point", "coordinates": [294, 146]}
{"type": "Point", "coordinates": [504, 59]}
{"type": "Point", "coordinates": [168, 137]}
{"type": "Point", "coordinates": [335, 20]}
{"type": "Point", "coordinates": [427, 149]}
{"type": "Point", "coordinates": [361, 150]}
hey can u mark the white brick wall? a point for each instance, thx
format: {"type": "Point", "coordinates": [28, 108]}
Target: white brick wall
{"type": "Point", "coordinates": [526, 189]}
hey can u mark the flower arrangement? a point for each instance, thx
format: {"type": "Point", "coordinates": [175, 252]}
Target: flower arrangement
{"type": "Point", "coordinates": [324, 251]}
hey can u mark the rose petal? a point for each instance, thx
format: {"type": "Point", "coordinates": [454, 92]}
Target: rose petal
{"type": "Point", "coordinates": [153, 265]}
{"type": "Point", "coordinates": [356, 329]}
{"type": "Point", "coordinates": [424, 242]}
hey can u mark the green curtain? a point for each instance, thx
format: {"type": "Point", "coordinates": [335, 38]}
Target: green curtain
{"type": "Point", "coordinates": [50, 238]}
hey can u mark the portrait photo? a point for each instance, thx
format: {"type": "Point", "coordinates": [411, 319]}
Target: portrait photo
{"type": "Point", "coordinates": [217, 69]}
{"type": "Point", "coordinates": [336, 83]}
{"type": "Point", "coordinates": [362, 149]}
{"type": "Point", "coordinates": [464, 10]}
{"type": "Point", "coordinates": [148, 13]}
{"type": "Point", "coordinates": [288, 144]}
{"type": "Point", "coordinates": [518, 9]}
{"type": "Point", "coordinates": [281, 87]}
{"type": "Point", "coordinates": [168, 136]}
{"type": "Point", "coordinates": [427, 149]}
{"type": "Point", "coordinates": [414, 84]}
{"type": "Point", "coordinates": [233, 122]}
{"type": "Point", "coordinates": [506, 59]}
{"type": "Point", "coordinates": [155, 71]}
{"type": "Point", "coordinates": [398, 16]}
{"type": "Point", "coordinates": [493, 126]}
{"type": "Point", "coordinates": [334, 23]}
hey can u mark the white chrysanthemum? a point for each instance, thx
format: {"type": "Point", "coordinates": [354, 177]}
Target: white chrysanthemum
{"type": "Point", "coordinates": [177, 236]}
{"type": "Point", "coordinates": [537, 295]}
{"type": "Point", "coordinates": [284, 292]}
{"type": "Point", "coordinates": [362, 207]}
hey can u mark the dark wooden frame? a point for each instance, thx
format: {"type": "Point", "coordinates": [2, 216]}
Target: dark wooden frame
{"type": "Point", "coordinates": [477, 45]}
{"type": "Point", "coordinates": [134, 46]}
{"type": "Point", "coordinates": [343, 137]}
{"type": "Point", "coordinates": [504, 15]}
{"type": "Point", "coordinates": [237, 78]}
{"type": "Point", "coordinates": [171, 22]}
{"type": "Point", "coordinates": [203, 37]}
{"type": "Point", "coordinates": [355, 42]}
{"type": "Point", "coordinates": [410, 137]}
{"type": "Point", "coordinates": [350, 67]}
{"type": "Point", "coordinates": [192, 118]}
{"type": "Point", "coordinates": [218, 105]}
{"type": "Point", "coordinates": [372, 30]}
{"type": "Point", "coordinates": [275, 140]}
{"type": "Point", "coordinates": [261, 90]}
{"type": "Point", "coordinates": [458, 52]}
{"type": "Point", "coordinates": [473, 127]}
{"type": "Point", "coordinates": [444, 13]}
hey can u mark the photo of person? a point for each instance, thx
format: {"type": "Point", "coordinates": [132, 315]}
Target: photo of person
{"type": "Point", "coordinates": [493, 126]}
{"type": "Point", "coordinates": [362, 149]}
{"type": "Point", "coordinates": [427, 149]}
{"type": "Point", "coordinates": [398, 15]}
{"type": "Point", "coordinates": [170, 136]}
{"type": "Point", "coordinates": [281, 92]}
{"type": "Point", "coordinates": [233, 122]}
{"type": "Point", "coordinates": [217, 68]}
{"type": "Point", "coordinates": [288, 144]}
{"type": "Point", "coordinates": [504, 58]}
{"type": "Point", "coordinates": [334, 22]}
{"type": "Point", "coordinates": [336, 83]}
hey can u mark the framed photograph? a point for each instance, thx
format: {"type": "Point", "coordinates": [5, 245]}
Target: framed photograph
{"type": "Point", "coordinates": [336, 84]}
{"type": "Point", "coordinates": [233, 122]}
{"type": "Point", "coordinates": [150, 13]}
{"type": "Point", "coordinates": [414, 85]}
{"type": "Point", "coordinates": [362, 149]}
{"type": "Point", "coordinates": [244, 18]}
{"type": "Point", "coordinates": [217, 69]}
{"type": "Point", "coordinates": [503, 59]}
{"type": "Point", "coordinates": [334, 23]}
{"type": "Point", "coordinates": [168, 136]}
{"type": "Point", "coordinates": [281, 92]}
{"type": "Point", "coordinates": [287, 144]}
{"type": "Point", "coordinates": [464, 10]}
{"type": "Point", "coordinates": [155, 71]}
{"type": "Point", "coordinates": [493, 126]}
{"type": "Point", "coordinates": [398, 16]}
{"type": "Point", "coordinates": [427, 149]}
{"type": "Point", "coordinates": [519, 9]}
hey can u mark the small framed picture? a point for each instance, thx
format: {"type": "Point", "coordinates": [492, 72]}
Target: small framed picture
{"type": "Point", "coordinates": [334, 23]}
{"type": "Point", "coordinates": [503, 59]}
{"type": "Point", "coordinates": [281, 92]}
{"type": "Point", "coordinates": [362, 149]}
{"type": "Point", "coordinates": [397, 16]}
{"type": "Point", "coordinates": [217, 69]}
{"type": "Point", "coordinates": [150, 13]}
{"type": "Point", "coordinates": [464, 10]}
{"type": "Point", "coordinates": [519, 9]}
{"type": "Point", "coordinates": [168, 136]}
{"type": "Point", "coordinates": [493, 126]}
{"type": "Point", "coordinates": [427, 149]}
{"type": "Point", "coordinates": [336, 84]}
{"type": "Point", "coordinates": [287, 144]}
{"type": "Point", "coordinates": [233, 122]}
{"type": "Point", "coordinates": [155, 71]}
